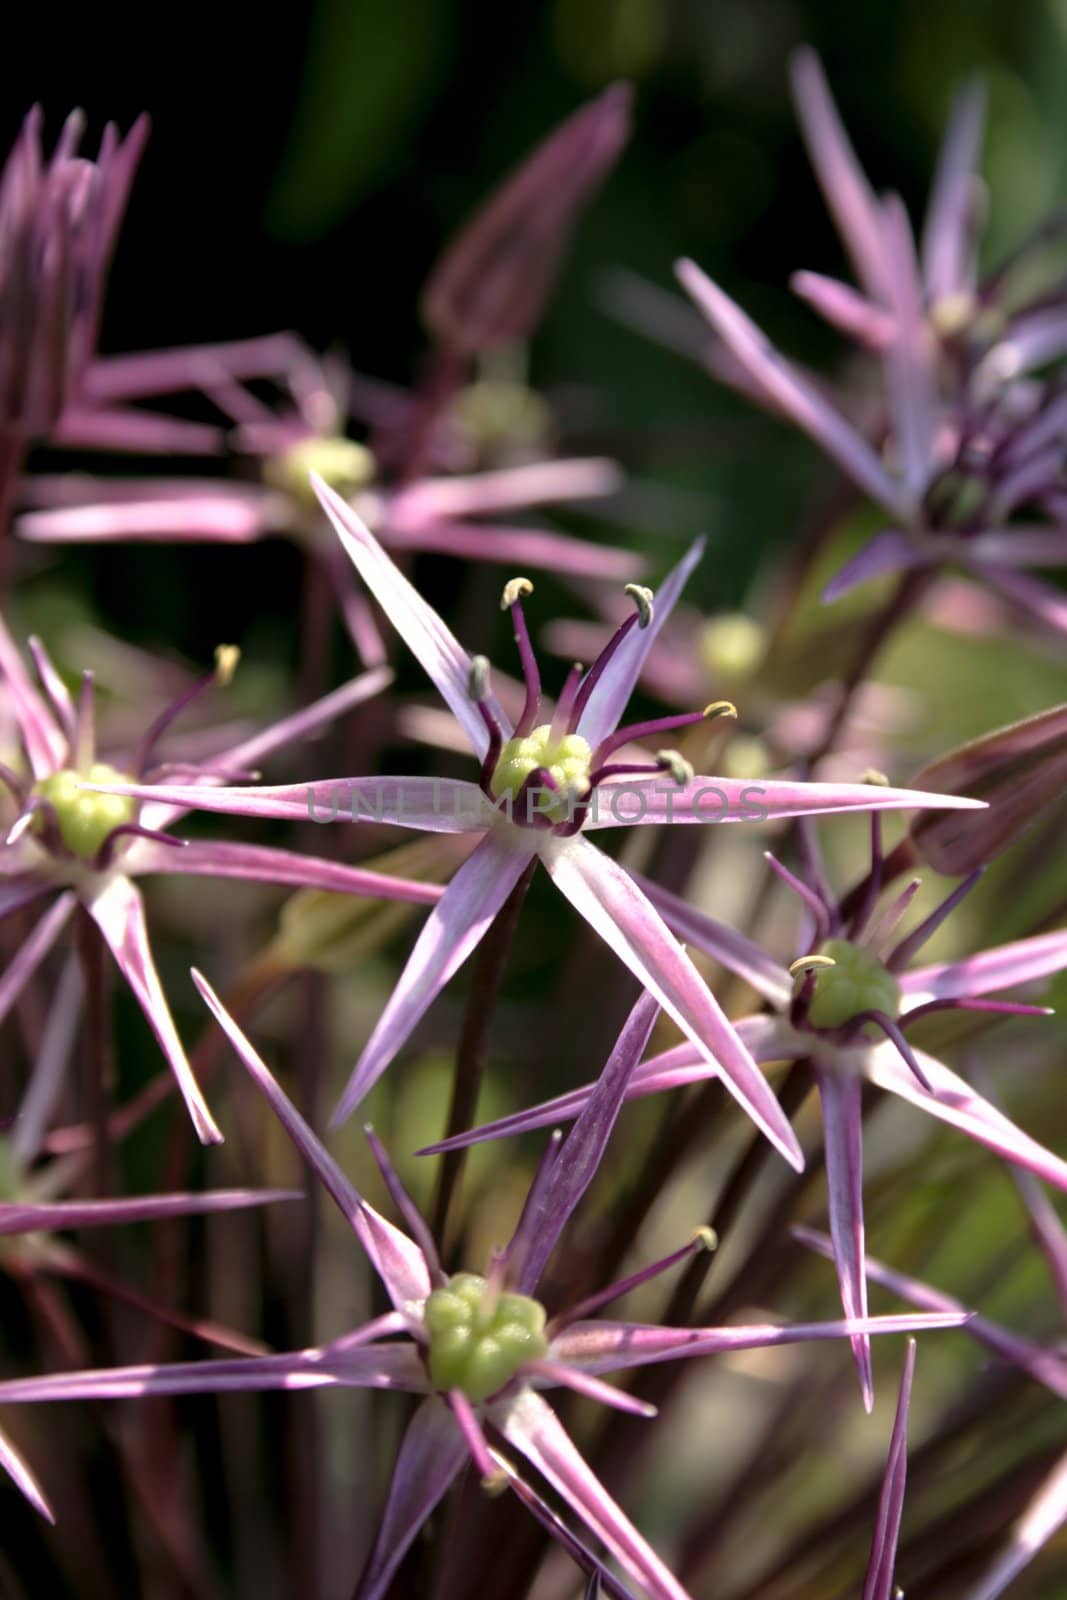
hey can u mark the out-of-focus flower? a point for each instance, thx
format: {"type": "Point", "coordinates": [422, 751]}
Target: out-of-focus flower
{"type": "Point", "coordinates": [542, 787]}
{"type": "Point", "coordinates": [851, 982]}
{"type": "Point", "coordinates": [59, 219]}
{"type": "Point", "coordinates": [463, 515]}
{"type": "Point", "coordinates": [975, 429]}
{"type": "Point", "coordinates": [480, 1349]}
{"type": "Point", "coordinates": [85, 848]}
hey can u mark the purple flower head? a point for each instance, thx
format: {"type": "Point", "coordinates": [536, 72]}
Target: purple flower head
{"type": "Point", "coordinates": [847, 1005]}
{"type": "Point", "coordinates": [86, 848]}
{"type": "Point", "coordinates": [543, 788]}
{"type": "Point", "coordinates": [966, 457]}
{"type": "Point", "coordinates": [478, 1347]}
{"type": "Point", "coordinates": [59, 219]}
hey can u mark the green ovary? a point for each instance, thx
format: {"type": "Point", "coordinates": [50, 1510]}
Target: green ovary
{"type": "Point", "coordinates": [342, 463]}
{"type": "Point", "coordinates": [567, 759]}
{"type": "Point", "coordinates": [85, 819]}
{"type": "Point", "coordinates": [857, 982]}
{"type": "Point", "coordinates": [479, 1340]}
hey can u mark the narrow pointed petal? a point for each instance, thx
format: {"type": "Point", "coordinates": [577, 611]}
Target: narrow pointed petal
{"type": "Point", "coordinates": [33, 951]}
{"type": "Point", "coordinates": [20, 1474]}
{"type": "Point", "coordinates": [124, 429]}
{"type": "Point", "coordinates": [1040, 1522]}
{"type": "Point", "coordinates": [147, 1208]}
{"type": "Point", "coordinates": [305, 723]}
{"type": "Point", "coordinates": [453, 929]}
{"type": "Point", "coordinates": [1039, 599]}
{"type": "Point", "coordinates": [212, 518]}
{"type": "Point", "coordinates": [437, 805]}
{"type": "Point", "coordinates": [605, 707]}
{"type": "Point", "coordinates": [613, 905]}
{"type": "Point", "coordinates": [908, 360]}
{"type": "Point", "coordinates": [842, 1112]}
{"type": "Point", "coordinates": [430, 641]}
{"type": "Point", "coordinates": [507, 489]}
{"type": "Point", "coordinates": [614, 1346]}
{"type": "Point", "coordinates": [118, 911]}
{"type": "Point", "coordinates": [384, 1366]}
{"type": "Point", "coordinates": [432, 1454]}
{"type": "Point", "coordinates": [843, 307]}
{"type": "Point", "coordinates": [764, 1037]}
{"type": "Point", "coordinates": [147, 373]}
{"type": "Point", "coordinates": [602, 1585]}
{"type": "Point", "coordinates": [534, 1429]}
{"type": "Point", "coordinates": [878, 1584]}
{"type": "Point", "coordinates": [397, 1259]}
{"type": "Point", "coordinates": [520, 548]}
{"type": "Point", "coordinates": [888, 553]}
{"type": "Point", "coordinates": [547, 1374]}
{"type": "Point", "coordinates": [1044, 1366]}
{"type": "Point", "coordinates": [1024, 961]}
{"type": "Point", "coordinates": [962, 1107]}
{"type": "Point", "coordinates": [736, 953]}
{"type": "Point", "coordinates": [638, 802]}
{"type": "Point", "coordinates": [946, 240]}
{"type": "Point", "coordinates": [46, 745]}
{"type": "Point", "coordinates": [216, 858]}
{"type": "Point", "coordinates": [847, 193]}
{"type": "Point", "coordinates": [788, 391]}
{"type": "Point", "coordinates": [576, 1165]}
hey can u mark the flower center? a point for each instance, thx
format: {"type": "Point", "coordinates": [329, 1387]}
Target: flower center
{"type": "Point", "coordinates": [342, 463]}
{"type": "Point", "coordinates": [480, 1339]}
{"type": "Point", "coordinates": [857, 982]}
{"type": "Point", "coordinates": [84, 819]}
{"type": "Point", "coordinates": [564, 762]}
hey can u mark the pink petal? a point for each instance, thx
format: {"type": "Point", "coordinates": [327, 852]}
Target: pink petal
{"type": "Point", "coordinates": [226, 859]}
{"type": "Point", "coordinates": [534, 1429]}
{"type": "Point", "coordinates": [845, 308]}
{"type": "Point", "coordinates": [519, 548]}
{"type": "Point", "coordinates": [956, 1103]}
{"type": "Point", "coordinates": [192, 367]}
{"type": "Point", "coordinates": [46, 745]}
{"type": "Point", "coordinates": [122, 429]}
{"type": "Point", "coordinates": [397, 1259]}
{"type": "Point", "coordinates": [605, 707]}
{"type": "Point", "coordinates": [878, 1584]}
{"type": "Point", "coordinates": [909, 359]}
{"type": "Point", "coordinates": [793, 394]}
{"type": "Point", "coordinates": [1039, 1523]}
{"type": "Point", "coordinates": [118, 911]}
{"type": "Point", "coordinates": [946, 241]}
{"type": "Point", "coordinates": [842, 1112]}
{"type": "Point", "coordinates": [637, 802]}
{"type": "Point", "coordinates": [33, 950]}
{"type": "Point", "coordinates": [737, 953]}
{"type": "Point", "coordinates": [147, 1208]}
{"type": "Point", "coordinates": [508, 489]}
{"type": "Point", "coordinates": [453, 929]}
{"type": "Point", "coordinates": [217, 518]}
{"type": "Point", "coordinates": [432, 1454]}
{"type": "Point", "coordinates": [426, 636]}
{"type": "Point", "coordinates": [24, 1479]}
{"type": "Point", "coordinates": [610, 901]}
{"type": "Point", "coordinates": [888, 553]}
{"type": "Point", "coordinates": [1001, 968]}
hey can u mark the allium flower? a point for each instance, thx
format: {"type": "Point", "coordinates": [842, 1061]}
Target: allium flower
{"type": "Point", "coordinates": [58, 223]}
{"type": "Point", "coordinates": [86, 848]}
{"type": "Point", "coordinates": [480, 1349]}
{"type": "Point", "coordinates": [852, 983]}
{"type": "Point", "coordinates": [972, 467]}
{"type": "Point", "coordinates": [542, 787]}
{"type": "Point", "coordinates": [458, 515]}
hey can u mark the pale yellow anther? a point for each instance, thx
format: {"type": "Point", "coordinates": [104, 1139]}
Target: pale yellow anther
{"type": "Point", "coordinates": [681, 770]}
{"type": "Point", "coordinates": [494, 1483]}
{"type": "Point", "coordinates": [227, 657]}
{"type": "Point", "coordinates": [872, 775]}
{"type": "Point", "coordinates": [478, 678]}
{"type": "Point", "coordinates": [812, 963]}
{"type": "Point", "coordinates": [705, 1238]}
{"type": "Point", "coordinates": [642, 598]}
{"type": "Point", "coordinates": [515, 589]}
{"type": "Point", "coordinates": [719, 708]}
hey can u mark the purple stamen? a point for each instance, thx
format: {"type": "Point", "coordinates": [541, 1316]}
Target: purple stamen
{"type": "Point", "coordinates": [564, 717]}
{"type": "Point", "coordinates": [53, 685]}
{"type": "Point", "coordinates": [999, 1008]}
{"type": "Point", "coordinates": [532, 816]}
{"type": "Point", "coordinates": [473, 1437]}
{"type": "Point", "coordinates": [886, 921]}
{"type": "Point", "coordinates": [615, 1291]}
{"type": "Point", "coordinates": [873, 886]}
{"type": "Point", "coordinates": [643, 730]}
{"type": "Point", "coordinates": [596, 671]}
{"type": "Point", "coordinates": [808, 896]}
{"type": "Point", "coordinates": [892, 1031]}
{"type": "Point", "coordinates": [11, 781]}
{"type": "Point", "coordinates": [50, 834]}
{"type": "Point", "coordinates": [531, 673]}
{"type": "Point", "coordinates": [902, 954]}
{"type": "Point", "coordinates": [593, 1388]}
{"type": "Point", "coordinates": [168, 715]}
{"type": "Point", "coordinates": [406, 1206]}
{"type": "Point", "coordinates": [133, 830]}
{"type": "Point", "coordinates": [478, 688]}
